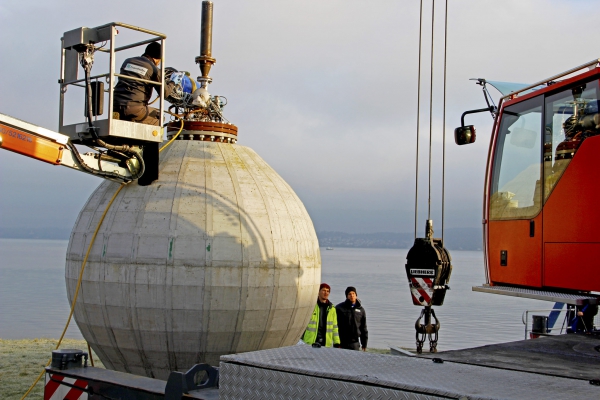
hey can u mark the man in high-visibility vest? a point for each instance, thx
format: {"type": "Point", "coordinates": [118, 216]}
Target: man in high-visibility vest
{"type": "Point", "coordinates": [322, 328]}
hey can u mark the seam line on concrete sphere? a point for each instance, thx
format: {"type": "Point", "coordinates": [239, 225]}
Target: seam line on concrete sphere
{"type": "Point", "coordinates": [244, 253]}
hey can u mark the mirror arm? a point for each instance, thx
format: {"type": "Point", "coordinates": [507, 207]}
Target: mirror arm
{"type": "Point", "coordinates": [490, 102]}
{"type": "Point", "coordinates": [491, 109]}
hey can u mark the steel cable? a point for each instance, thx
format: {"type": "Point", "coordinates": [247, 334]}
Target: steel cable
{"type": "Point", "coordinates": [444, 120]}
{"type": "Point", "coordinates": [430, 107]}
{"type": "Point", "coordinates": [418, 119]}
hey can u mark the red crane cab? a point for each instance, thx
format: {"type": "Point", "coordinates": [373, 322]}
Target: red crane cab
{"type": "Point", "coordinates": [541, 211]}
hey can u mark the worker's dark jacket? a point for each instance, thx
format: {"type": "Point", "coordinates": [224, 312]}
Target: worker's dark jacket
{"type": "Point", "coordinates": [128, 90]}
{"type": "Point", "coordinates": [584, 323]}
{"type": "Point", "coordinates": [352, 323]}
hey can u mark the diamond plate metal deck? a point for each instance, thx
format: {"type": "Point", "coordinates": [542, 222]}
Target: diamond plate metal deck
{"type": "Point", "coordinates": [574, 299]}
{"type": "Point", "coordinates": [567, 356]}
{"type": "Point", "coordinates": [300, 371]}
{"type": "Point", "coordinates": [244, 382]}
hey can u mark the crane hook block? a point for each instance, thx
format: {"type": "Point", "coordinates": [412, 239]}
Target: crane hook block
{"type": "Point", "coordinates": [428, 268]}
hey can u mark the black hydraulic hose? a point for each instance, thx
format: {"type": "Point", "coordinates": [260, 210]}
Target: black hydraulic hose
{"type": "Point", "coordinates": [142, 166]}
{"type": "Point", "coordinates": [88, 91]}
{"type": "Point", "coordinates": [93, 171]}
{"type": "Point", "coordinates": [127, 150]}
{"type": "Point", "coordinates": [124, 148]}
{"type": "Point", "coordinates": [87, 67]}
{"type": "Point", "coordinates": [109, 175]}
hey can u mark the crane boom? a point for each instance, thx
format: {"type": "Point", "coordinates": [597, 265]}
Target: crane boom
{"type": "Point", "coordinates": [52, 147]}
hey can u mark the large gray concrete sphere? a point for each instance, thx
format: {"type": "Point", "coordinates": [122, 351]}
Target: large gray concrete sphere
{"type": "Point", "coordinates": [218, 256]}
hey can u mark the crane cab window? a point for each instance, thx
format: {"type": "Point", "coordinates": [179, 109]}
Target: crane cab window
{"type": "Point", "coordinates": [516, 190]}
{"type": "Point", "coordinates": [571, 117]}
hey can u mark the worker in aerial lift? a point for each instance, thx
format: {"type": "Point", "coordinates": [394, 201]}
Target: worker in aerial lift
{"type": "Point", "coordinates": [132, 97]}
{"type": "Point", "coordinates": [352, 320]}
{"type": "Point", "coordinates": [322, 330]}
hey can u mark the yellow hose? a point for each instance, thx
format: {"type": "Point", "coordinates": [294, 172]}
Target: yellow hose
{"type": "Point", "coordinates": [77, 287]}
{"type": "Point", "coordinates": [83, 268]}
{"type": "Point", "coordinates": [173, 138]}
{"type": "Point", "coordinates": [90, 354]}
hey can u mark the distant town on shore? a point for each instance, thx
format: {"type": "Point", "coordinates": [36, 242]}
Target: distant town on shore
{"type": "Point", "coordinates": [455, 238]}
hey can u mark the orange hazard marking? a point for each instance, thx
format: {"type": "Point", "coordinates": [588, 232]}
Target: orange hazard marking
{"type": "Point", "coordinates": [29, 145]}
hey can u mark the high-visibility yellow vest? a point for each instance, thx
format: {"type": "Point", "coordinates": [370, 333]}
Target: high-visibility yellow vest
{"type": "Point", "coordinates": [332, 335]}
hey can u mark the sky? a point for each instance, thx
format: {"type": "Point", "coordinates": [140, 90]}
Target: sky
{"type": "Point", "coordinates": [324, 90]}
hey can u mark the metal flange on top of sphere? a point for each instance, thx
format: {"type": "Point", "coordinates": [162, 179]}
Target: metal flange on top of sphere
{"type": "Point", "coordinates": [428, 263]}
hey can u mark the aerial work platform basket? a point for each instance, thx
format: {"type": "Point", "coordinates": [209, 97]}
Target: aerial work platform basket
{"type": "Point", "coordinates": [110, 127]}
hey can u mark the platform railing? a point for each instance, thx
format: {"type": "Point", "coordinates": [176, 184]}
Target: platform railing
{"type": "Point", "coordinates": [564, 326]}
{"type": "Point", "coordinates": [70, 62]}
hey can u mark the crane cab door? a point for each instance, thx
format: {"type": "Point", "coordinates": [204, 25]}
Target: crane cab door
{"type": "Point", "coordinates": [571, 165]}
{"type": "Point", "coordinates": [515, 197]}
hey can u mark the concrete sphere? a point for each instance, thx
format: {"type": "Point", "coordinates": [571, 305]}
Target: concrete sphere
{"type": "Point", "coordinates": [218, 256]}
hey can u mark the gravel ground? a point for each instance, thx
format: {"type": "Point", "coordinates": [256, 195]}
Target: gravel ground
{"type": "Point", "coordinates": [21, 361]}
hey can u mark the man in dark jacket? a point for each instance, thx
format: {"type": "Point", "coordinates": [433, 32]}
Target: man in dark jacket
{"type": "Point", "coordinates": [584, 318]}
{"type": "Point", "coordinates": [352, 322]}
{"type": "Point", "coordinates": [131, 97]}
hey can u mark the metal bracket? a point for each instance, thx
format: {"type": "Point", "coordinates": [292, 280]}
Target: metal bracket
{"type": "Point", "coordinates": [180, 383]}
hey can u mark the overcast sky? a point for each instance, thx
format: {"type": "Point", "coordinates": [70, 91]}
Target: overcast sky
{"type": "Point", "coordinates": [325, 91]}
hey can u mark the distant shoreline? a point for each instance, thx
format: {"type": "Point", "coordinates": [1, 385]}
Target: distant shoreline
{"type": "Point", "coordinates": [469, 239]}
{"type": "Point", "coordinates": [455, 239]}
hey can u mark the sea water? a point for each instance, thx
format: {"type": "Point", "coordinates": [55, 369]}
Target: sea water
{"type": "Point", "coordinates": [468, 319]}
{"type": "Point", "coordinates": [33, 300]}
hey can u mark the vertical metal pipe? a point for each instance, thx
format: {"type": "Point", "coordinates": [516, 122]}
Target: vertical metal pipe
{"type": "Point", "coordinates": [206, 30]}
{"type": "Point", "coordinates": [162, 86]}
{"type": "Point", "coordinates": [205, 59]}
{"type": "Point", "coordinates": [111, 77]}
{"type": "Point", "coordinates": [61, 103]}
